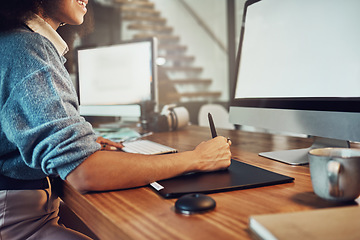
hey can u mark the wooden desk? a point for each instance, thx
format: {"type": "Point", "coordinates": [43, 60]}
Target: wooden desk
{"type": "Point", "coordinates": [142, 214]}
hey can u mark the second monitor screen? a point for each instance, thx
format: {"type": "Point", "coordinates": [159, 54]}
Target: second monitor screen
{"type": "Point", "coordinates": [115, 75]}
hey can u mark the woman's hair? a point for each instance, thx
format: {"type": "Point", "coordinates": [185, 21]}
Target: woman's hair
{"type": "Point", "coordinates": [13, 13]}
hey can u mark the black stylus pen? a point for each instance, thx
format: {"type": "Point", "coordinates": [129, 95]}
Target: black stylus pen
{"type": "Point", "coordinates": [212, 126]}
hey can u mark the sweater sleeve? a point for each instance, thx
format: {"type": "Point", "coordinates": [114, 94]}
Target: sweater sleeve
{"type": "Point", "coordinates": [40, 117]}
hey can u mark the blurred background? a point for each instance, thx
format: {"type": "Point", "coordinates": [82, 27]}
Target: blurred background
{"type": "Point", "coordinates": [197, 44]}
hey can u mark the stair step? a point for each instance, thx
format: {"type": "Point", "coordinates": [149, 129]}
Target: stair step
{"type": "Point", "coordinates": [171, 97]}
{"type": "Point", "coordinates": [172, 47]}
{"type": "Point", "coordinates": [200, 94]}
{"type": "Point", "coordinates": [191, 81]}
{"type": "Point", "coordinates": [155, 28]}
{"type": "Point", "coordinates": [139, 11]}
{"type": "Point", "coordinates": [178, 58]}
{"type": "Point", "coordinates": [183, 69]}
{"type": "Point", "coordinates": [149, 19]}
{"type": "Point", "coordinates": [140, 4]}
{"type": "Point", "coordinates": [162, 38]}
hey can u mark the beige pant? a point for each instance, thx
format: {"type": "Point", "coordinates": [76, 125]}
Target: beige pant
{"type": "Point", "coordinates": [32, 214]}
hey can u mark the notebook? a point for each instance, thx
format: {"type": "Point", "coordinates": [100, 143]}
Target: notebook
{"type": "Point", "coordinates": [238, 176]}
{"type": "Point", "coordinates": [329, 223]}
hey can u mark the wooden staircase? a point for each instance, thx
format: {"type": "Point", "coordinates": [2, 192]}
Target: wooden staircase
{"type": "Point", "coordinates": [178, 79]}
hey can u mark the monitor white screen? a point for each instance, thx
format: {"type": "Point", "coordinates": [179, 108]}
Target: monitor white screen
{"type": "Point", "coordinates": [300, 49]}
{"type": "Point", "coordinates": [298, 68]}
{"type": "Point", "coordinates": [113, 80]}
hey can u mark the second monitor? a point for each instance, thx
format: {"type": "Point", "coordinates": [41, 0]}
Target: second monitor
{"type": "Point", "coordinates": [114, 80]}
{"type": "Point", "coordinates": [298, 71]}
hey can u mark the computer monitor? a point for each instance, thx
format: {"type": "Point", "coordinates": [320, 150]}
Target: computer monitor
{"type": "Point", "coordinates": [114, 80]}
{"type": "Point", "coordinates": [298, 70]}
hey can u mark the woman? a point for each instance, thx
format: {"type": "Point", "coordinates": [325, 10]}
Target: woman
{"type": "Point", "coordinates": [42, 134]}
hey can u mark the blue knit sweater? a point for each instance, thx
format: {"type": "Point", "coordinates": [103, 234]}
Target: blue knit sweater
{"type": "Point", "coordinates": [41, 131]}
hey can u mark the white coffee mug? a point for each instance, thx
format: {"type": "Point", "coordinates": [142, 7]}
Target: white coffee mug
{"type": "Point", "coordinates": [335, 173]}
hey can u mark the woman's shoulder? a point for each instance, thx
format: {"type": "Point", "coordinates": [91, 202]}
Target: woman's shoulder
{"type": "Point", "coordinates": [24, 53]}
{"type": "Point", "coordinates": [22, 41]}
{"type": "Point", "coordinates": [27, 50]}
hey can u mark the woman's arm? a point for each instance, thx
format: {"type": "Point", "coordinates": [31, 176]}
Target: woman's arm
{"type": "Point", "coordinates": [109, 170]}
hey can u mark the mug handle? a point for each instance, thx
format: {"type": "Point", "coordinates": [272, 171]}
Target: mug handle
{"type": "Point", "coordinates": [333, 173]}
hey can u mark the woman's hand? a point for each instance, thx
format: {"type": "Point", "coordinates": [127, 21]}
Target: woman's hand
{"type": "Point", "coordinates": [213, 154]}
{"type": "Point", "coordinates": [107, 144]}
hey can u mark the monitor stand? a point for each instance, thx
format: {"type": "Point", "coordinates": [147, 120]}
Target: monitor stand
{"type": "Point", "coordinates": [299, 156]}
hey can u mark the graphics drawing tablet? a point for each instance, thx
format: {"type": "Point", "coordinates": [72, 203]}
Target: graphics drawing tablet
{"type": "Point", "coordinates": [238, 176]}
